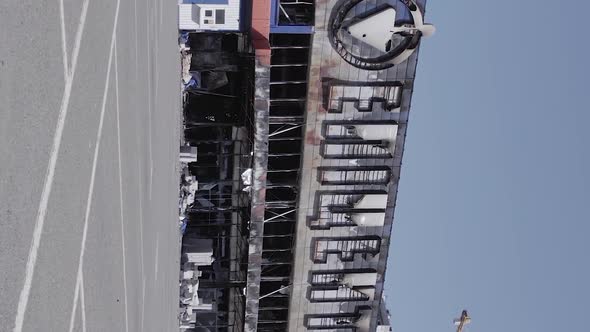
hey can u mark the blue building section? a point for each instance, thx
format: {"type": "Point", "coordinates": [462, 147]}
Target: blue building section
{"type": "Point", "coordinates": [297, 17]}
{"type": "Point", "coordinates": [291, 17]}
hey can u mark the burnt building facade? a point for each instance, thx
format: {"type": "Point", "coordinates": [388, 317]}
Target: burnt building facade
{"type": "Point", "coordinates": [323, 117]}
{"type": "Point", "coordinates": [215, 201]}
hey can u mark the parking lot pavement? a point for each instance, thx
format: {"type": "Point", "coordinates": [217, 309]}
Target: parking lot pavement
{"type": "Point", "coordinates": [89, 114]}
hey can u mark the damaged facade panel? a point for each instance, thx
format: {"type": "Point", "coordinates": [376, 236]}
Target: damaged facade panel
{"type": "Point", "coordinates": [299, 128]}
{"type": "Point", "coordinates": [288, 93]}
{"type": "Point", "coordinates": [215, 209]}
{"type": "Point", "coordinates": [258, 193]}
{"type": "Point", "coordinates": [361, 73]}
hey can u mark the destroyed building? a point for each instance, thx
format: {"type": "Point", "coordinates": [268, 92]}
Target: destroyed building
{"type": "Point", "coordinates": [297, 121]}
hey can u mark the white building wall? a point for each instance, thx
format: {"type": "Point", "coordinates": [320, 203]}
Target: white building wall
{"type": "Point", "coordinates": [192, 16]}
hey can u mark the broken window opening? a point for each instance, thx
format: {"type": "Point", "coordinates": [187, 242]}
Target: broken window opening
{"type": "Point", "coordinates": [283, 162]}
{"type": "Point", "coordinates": [278, 146]}
{"type": "Point", "coordinates": [286, 108]}
{"type": "Point", "coordinates": [289, 56]}
{"type": "Point", "coordinates": [278, 40]}
{"type": "Point", "coordinates": [287, 74]}
{"type": "Point", "coordinates": [289, 91]}
{"type": "Point", "coordinates": [296, 12]}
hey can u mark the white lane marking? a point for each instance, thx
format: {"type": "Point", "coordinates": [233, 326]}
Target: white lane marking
{"type": "Point", "coordinates": [64, 43]}
{"type": "Point", "coordinates": [121, 187]}
{"type": "Point", "coordinates": [79, 32]}
{"type": "Point", "coordinates": [82, 302]}
{"type": "Point", "coordinates": [75, 304]}
{"type": "Point", "coordinates": [142, 302]}
{"type": "Point", "coordinates": [136, 42]}
{"type": "Point", "coordinates": [49, 174]}
{"type": "Point", "coordinates": [157, 254]}
{"type": "Point", "coordinates": [95, 159]}
{"type": "Point", "coordinates": [160, 13]}
{"type": "Point", "coordinates": [156, 51]}
{"type": "Point", "coordinates": [149, 99]}
{"type": "Point", "coordinates": [140, 193]}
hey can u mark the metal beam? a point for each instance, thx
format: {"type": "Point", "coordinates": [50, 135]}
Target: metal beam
{"type": "Point", "coordinates": [279, 215]}
{"type": "Point", "coordinates": [284, 130]}
{"type": "Point", "coordinates": [273, 292]}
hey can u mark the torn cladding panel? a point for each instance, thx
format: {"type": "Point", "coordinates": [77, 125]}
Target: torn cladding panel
{"type": "Point", "coordinates": [217, 133]}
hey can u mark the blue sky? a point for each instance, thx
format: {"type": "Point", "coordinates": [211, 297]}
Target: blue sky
{"type": "Point", "coordinates": [493, 212]}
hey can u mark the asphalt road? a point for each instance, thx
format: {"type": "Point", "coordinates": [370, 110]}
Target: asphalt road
{"type": "Point", "coordinates": [89, 127]}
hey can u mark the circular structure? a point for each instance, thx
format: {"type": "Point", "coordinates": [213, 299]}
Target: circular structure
{"type": "Point", "coordinates": [378, 38]}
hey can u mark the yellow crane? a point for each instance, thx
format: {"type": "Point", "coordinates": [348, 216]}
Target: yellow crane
{"type": "Point", "coordinates": [462, 321]}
